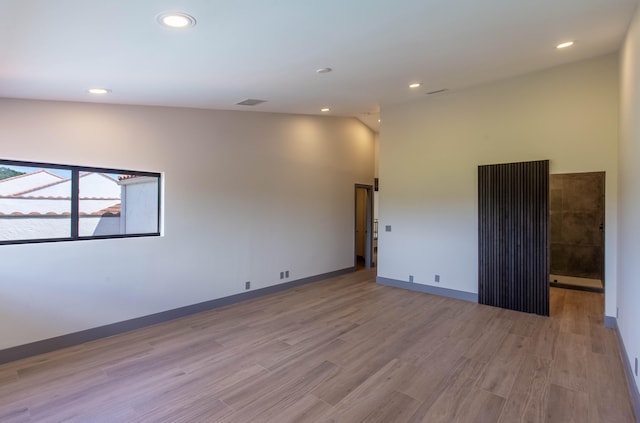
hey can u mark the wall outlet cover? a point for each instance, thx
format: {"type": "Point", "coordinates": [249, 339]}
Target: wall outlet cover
{"type": "Point", "coordinates": [387, 228]}
{"type": "Point", "coordinates": [437, 278]}
{"type": "Point", "coordinates": [247, 285]}
{"type": "Point", "coordinates": [281, 275]}
{"type": "Point", "coordinates": [410, 278]}
{"type": "Point", "coordinates": [286, 274]}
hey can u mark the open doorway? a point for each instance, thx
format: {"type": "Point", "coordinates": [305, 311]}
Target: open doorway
{"type": "Point", "coordinates": [363, 249]}
{"type": "Point", "coordinates": [576, 209]}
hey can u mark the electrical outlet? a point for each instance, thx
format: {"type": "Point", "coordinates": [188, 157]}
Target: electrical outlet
{"type": "Point", "coordinates": [410, 278]}
{"type": "Point", "coordinates": [281, 275]}
{"type": "Point", "coordinates": [247, 285]}
{"type": "Point", "coordinates": [387, 228]}
{"type": "Point", "coordinates": [437, 278]}
{"type": "Point", "coordinates": [286, 274]}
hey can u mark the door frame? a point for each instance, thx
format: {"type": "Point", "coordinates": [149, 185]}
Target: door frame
{"type": "Point", "coordinates": [368, 249]}
{"type": "Point", "coordinates": [602, 230]}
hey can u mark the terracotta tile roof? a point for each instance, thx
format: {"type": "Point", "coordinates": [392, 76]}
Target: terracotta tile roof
{"type": "Point", "coordinates": [51, 197]}
{"type": "Point", "coordinates": [111, 211]}
{"type": "Point", "coordinates": [20, 214]}
{"type": "Point", "coordinates": [50, 205]}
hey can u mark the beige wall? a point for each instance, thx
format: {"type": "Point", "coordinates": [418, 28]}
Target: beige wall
{"type": "Point", "coordinates": [376, 152]}
{"type": "Point", "coordinates": [247, 195]}
{"type": "Point", "coordinates": [430, 152]}
{"type": "Point", "coordinates": [629, 207]}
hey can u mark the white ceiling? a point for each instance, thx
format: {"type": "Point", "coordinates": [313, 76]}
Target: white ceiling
{"type": "Point", "coordinates": [270, 49]}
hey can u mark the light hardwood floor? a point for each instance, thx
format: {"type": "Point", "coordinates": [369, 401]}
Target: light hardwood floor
{"type": "Point", "coordinates": [340, 350]}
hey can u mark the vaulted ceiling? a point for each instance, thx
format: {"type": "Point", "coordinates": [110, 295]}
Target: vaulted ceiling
{"type": "Point", "coordinates": [271, 50]}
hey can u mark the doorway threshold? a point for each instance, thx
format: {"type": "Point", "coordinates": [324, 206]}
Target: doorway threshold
{"type": "Point", "coordinates": [572, 282]}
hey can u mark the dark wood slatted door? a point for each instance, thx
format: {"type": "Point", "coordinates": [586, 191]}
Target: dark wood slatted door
{"type": "Point", "coordinates": [513, 219]}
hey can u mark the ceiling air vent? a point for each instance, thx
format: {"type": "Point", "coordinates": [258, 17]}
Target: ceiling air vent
{"type": "Point", "coordinates": [251, 102]}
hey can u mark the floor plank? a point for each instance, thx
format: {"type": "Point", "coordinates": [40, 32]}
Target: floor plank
{"type": "Point", "coordinates": [341, 350]}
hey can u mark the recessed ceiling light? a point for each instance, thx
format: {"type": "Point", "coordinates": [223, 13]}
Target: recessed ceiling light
{"type": "Point", "coordinates": [565, 44]}
{"type": "Point", "coordinates": [176, 20]}
{"type": "Point", "coordinates": [415, 85]}
{"type": "Point", "coordinates": [326, 109]}
{"type": "Point", "coordinates": [99, 91]}
{"type": "Point", "coordinates": [323, 70]}
{"type": "Point", "coordinates": [379, 121]}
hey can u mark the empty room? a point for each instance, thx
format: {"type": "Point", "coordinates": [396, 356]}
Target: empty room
{"type": "Point", "coordinates": [338, 211]}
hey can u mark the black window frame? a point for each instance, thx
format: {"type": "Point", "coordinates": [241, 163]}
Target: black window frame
{"type": "Point", "coordinates": [75, 200]}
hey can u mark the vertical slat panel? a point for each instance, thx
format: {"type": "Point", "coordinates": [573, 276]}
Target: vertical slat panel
{"type": "Point", "coordinates": [513, 228]}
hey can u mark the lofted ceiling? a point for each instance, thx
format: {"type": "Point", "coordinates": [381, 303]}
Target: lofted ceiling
{"type": "Point", "coordinates": [271, 49]}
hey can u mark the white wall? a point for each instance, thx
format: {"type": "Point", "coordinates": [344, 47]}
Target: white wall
{"type": "Point", "coordinates": [51, 205]}
{"type": "Point", "coordinates": [34, 227]}
{"type": "Point", "coordinates": [247, 195]}
{"type": "Point", "coordinates": [99, 225]}
{"type": "Point", "coordinates": [629, 204]}
{"type": "Point", "coordinates": [139, 207]}
{"type": "Point", "coordinates": [430, 152]}
{"type": "Point", "coordinates": [39, 227]}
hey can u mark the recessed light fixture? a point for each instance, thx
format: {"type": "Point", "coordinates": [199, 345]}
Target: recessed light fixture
{"type": "Point", "coordinates": [176, 20]}
{"type": "Point", "coordinates": [323, 70]}
{"type": "Point", "coordinates": [379, 120]}
{"type": "Point", "coordinates": [415, 85]}
{"type": "Point", "coordinates": [565, 44]}
{"type": "Point", "coordinates": [99, 91]}
{"type": "Point", "coordinates": [325, 109]}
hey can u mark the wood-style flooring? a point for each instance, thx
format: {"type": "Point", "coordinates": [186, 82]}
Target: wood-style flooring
{"type": "Point", "coordinates": [340, 350]}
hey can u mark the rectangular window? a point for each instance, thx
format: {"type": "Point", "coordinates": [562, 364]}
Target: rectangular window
{"type": "Point", "coordinates": [42, 202]}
